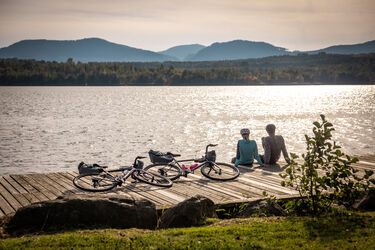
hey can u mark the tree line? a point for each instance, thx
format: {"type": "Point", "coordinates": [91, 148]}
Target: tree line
{"type": "Point", "coordinates": [299, 69]}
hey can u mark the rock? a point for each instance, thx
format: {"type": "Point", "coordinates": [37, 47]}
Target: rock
{"type": "Point", "coordinates": [190, 212]}
{"type": "Point", "coordinates": [82, 211]}
{"type": "Point", "coordinates": [367, 203]}
{"type": "Point", "coordinates": [263, 207]}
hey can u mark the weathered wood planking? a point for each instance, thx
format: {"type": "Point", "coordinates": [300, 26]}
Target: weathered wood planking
{"type": "Point", "coordinates": [21, 190]}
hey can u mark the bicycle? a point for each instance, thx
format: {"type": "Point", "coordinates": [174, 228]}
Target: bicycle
{"type": "Point", "coordinates": [172, 169]}
{"type": "Point", "coordinates": [107, 180]}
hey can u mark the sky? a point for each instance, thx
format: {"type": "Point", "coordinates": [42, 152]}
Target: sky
{"type": "Point", "coordinates": [159, 24]}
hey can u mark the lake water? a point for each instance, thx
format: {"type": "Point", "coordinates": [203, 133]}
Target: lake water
{"type": "Point", "coordinates": [45, 129]}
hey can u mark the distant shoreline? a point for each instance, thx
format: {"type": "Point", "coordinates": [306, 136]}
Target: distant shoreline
{"type": "Point", "coordinates": [183, 85]}
{"type": "Point", "coordinates": [321, 69]}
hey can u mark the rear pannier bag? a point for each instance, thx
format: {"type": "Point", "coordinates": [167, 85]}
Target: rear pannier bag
{"type": "Point", "coordinates": [84, 168]}
{"type": "Point", "coordinates": [159, 157]}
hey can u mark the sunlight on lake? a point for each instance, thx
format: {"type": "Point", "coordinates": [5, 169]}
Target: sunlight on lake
{"type": "Point", "coordinates": [46, 129]}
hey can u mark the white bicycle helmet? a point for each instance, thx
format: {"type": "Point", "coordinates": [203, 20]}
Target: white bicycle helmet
{"type": "Point", "coordinates": [245, 131]}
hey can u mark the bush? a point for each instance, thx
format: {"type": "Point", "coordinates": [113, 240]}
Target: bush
{"type": "Point", "coordinates": [326, 176]}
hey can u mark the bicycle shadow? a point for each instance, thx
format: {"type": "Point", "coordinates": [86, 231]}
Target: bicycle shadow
{"type": "Point", "coordinates": [136, 186]}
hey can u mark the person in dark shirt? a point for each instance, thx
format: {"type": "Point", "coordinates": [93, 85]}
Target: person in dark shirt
{"type": "Point", "coordinates": [273, 145]}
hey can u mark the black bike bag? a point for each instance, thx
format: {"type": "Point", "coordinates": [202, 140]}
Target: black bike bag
{"type": "Point", "coordinates": [159, 157]}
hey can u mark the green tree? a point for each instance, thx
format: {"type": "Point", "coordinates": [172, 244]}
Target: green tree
{"type": "Point", "coordinates": [326, 176]}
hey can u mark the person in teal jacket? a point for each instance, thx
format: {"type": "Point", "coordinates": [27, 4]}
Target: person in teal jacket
{"type": "Point", "coordinates": [247, 150]}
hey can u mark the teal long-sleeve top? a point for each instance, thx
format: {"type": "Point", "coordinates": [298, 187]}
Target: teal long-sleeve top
{"type": "Point", "coordinates": [246, 152]}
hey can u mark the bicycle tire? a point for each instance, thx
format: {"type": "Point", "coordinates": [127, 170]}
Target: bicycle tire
{"type": "Point", "coordinates": [95, 182]}
{"type": "Point", "coordinates": [152, 179]}
{"type": "Point", "coordinates": [170, 171]}
{"type": "Point", "coordinates": [220, 171]}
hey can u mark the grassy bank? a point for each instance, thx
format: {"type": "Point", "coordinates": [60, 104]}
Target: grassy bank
{"type": "Point", "coordinates": [355, 230]}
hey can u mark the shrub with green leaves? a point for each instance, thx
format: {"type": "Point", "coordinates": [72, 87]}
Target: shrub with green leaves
{"type": "Point", "coordinates": [326, 176]}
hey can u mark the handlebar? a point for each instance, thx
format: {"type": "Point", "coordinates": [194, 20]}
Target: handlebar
{"type": "Point", "coordinates": [137, 158]}
{"type": "Point", "coordinates": [210, 145]}
{"type": "Point", "coordinates": [174, 155]}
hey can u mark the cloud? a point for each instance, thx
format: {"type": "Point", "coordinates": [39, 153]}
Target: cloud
{"type": "Point", "coordinates": [295, 24]}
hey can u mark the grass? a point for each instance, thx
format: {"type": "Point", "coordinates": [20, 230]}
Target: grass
{"type": "Point", "coordinates": [356, 230]}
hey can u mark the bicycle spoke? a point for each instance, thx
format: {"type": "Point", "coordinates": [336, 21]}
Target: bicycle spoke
{"type": "Point", "coordinates": [220, 171]}
{"type": "Point", "coordinates": [95, 182]}
{"type": "Point", "coordinates": [169, 171]}
{"type": "Point", "coordinates": [152, 179]}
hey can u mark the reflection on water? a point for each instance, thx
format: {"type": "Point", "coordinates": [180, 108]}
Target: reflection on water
{"type": "Point", "coordinates": [54, 128]}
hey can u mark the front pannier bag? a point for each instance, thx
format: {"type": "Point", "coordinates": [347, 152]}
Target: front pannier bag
{"type": "Point", "coordinates": [159, 157]}
{"type": "Point", "coordinates": [84, 168]}
{"type": "Point", "coordinates": [211, 155]}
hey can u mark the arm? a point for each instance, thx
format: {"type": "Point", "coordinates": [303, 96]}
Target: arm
{"type": "Point", "coordinates": [263, 138]}
{"type": "Point", "coordinates": [237, 154]}
{"type": "Point", "coordinates": [267, 151]}
{"type": "Point", "coordinates": [238, 151]}
{"type": "Point", "coordinates": [283, 149]}
{"type": "Point", "coordinates": [256, 154]}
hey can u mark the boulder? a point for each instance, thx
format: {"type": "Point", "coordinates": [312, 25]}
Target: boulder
{"type": "Point", "coordinates": [263, 207]}
{"type": "Point", "coordinates": [82, 211]}
{"type": "Point", "coordinates": [367, 203]}
{"type": "Point", "coordinates": [190, 212]}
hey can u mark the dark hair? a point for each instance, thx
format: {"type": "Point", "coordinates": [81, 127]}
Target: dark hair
{"type": "Point", "coordinates": [270, 128]}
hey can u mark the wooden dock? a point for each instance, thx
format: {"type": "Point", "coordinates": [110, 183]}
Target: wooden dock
{"type": "Point", "coordinates": [17, 191]}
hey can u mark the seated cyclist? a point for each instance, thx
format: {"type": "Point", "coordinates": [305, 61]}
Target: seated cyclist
{"type": "Point", "coordinates": [247, 150]}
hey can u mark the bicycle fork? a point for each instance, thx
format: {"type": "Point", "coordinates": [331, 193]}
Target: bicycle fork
{"type": "Point", "coordinates": [212, 168]}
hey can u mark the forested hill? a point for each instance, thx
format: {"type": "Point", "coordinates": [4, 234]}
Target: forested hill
{"type": "Point", "coordinates": [237, 49]}
{"type": "Point", "coordinates": [300, 69]}
{"type": "Point", "coordinates": [182, 52]}
{"type": "Point", "coordinates": [361, 48]}
{"type": "Point", "coordinates": [99, 50]}
{"type": "Point", "coordinates": [84, 50]}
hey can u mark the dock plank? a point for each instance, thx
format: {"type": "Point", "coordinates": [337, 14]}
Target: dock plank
{"type": "Point", "coordinates": [15, 204]}
{"type": "Point", "coordinates": [29, 188]}
{"type": "Point", "coordinates": [5, 206]}
{"type": "Point", "coordinates": [39, 187]}
{"type": "Point", "coordinates": [15, 184]}
{"type": "Point", "coordinates": [47, 184]}
{"type": "Point", "coordinates": [31, 198]}
{"type": "Point", "coordinates": [24, 180]}
{"type": "Point", "coordinates": [67, 188]}
{"type": "Point", "coordinates": [146, 194]}
{"type": "Point", "coordinates": [192, 188]}
{"type": "Point", "coordinates": [20, 190]}
{"type": "Point", "coordinates": [18, 196]}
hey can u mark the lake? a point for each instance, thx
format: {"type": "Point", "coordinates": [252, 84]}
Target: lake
{"type": "Point", "coordinates": [47, 129]}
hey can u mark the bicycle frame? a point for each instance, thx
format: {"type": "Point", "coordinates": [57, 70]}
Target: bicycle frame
{"type": "Point", "coordinates": [128, 171]}
{"type": "Point", "coordinates": [204, 159]}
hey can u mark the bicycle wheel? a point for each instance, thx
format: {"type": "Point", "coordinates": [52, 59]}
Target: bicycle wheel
{"type": "Point", "coordinates": [95, 182]}
{"type": "Point", "coordinates": [153, 179]}
{"type": "Point", "coordinates": [220, 171]}
{"type": "Point", "coordinates": [171, 171]}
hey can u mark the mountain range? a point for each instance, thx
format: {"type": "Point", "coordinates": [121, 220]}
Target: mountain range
{"type": "Point", "coordinates": [99, 50]}
{"type": "Point", "coordinates": [183, 52]}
